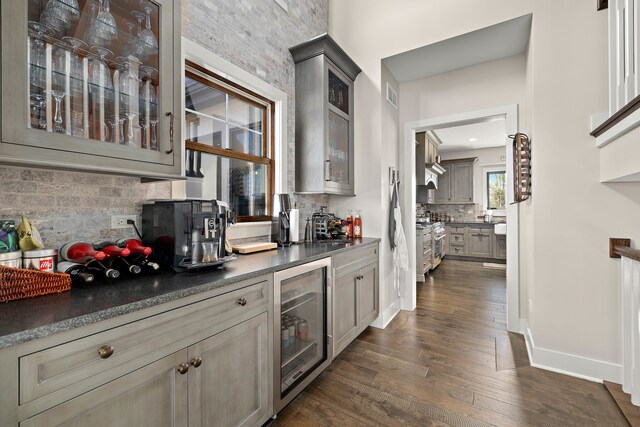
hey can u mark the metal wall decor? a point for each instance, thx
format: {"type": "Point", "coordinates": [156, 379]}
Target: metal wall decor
{"type": "Point", "coordinates": [521, 167]}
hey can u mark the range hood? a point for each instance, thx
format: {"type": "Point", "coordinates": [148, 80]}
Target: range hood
{"type": "Point", "coordinates": [435, 168]}
{"type": "Point", "coordinates": [430, 181]}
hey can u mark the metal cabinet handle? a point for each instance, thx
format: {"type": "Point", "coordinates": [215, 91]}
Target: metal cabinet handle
{"type": "Point", "coordinates": [170, 115]}
{"type": "Point", "coordinates": [105, 351]}
{"type": "Point", "coordinates": [183, 368]}
{"type": "Point", "coordinates": [327, 170]}
{"type": "Point", "coordinates": [242, 301]}
{"type": "Point", "coordinates": [196, 361]}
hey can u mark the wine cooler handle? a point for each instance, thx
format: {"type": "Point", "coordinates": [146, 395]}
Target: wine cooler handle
{"type": "Point", "coordinates": [170, 115]}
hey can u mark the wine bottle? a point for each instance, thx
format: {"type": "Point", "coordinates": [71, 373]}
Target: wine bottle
{"type": "Point", "coordinates": [130, 267]}
{"type": "Point", "coordinates": [111, 273]}
{"type": "Point", "coordinates": [145, 262]}
{"type": "Point", "coordinates": [80, 252]}
{"type": "Point", "coordinates": [135, 246]}
{"type": "Point", "coordinates": [76, 271]}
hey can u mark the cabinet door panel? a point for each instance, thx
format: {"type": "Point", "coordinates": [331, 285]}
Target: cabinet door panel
{"type": "Point", "coordinates": [462, 183]}
{"type": "Point", "coordinates": [154, 396]}
{"type": "Point", "coordinates": [345, 318]}
{"type": "Point", "coordinates": [368, 296]}
{"type": "Point", "coordinates": [231, 386]}
{"type": "Point", "coordinates": [478, 243]}
{"type": "Point", "coordinates": [500, 250]}
{"type": "Point", "coordinates": [442, 194]}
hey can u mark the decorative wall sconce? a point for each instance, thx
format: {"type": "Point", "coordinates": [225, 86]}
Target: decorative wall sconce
{"type": "Point", "coordinates": [521, 167]}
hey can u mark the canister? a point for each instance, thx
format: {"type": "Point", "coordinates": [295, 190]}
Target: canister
{"type": "Point", "coordinates": [11, 259]}
{"type": "Point", "coordinates": [284, 336]}
{"type": "Point", "coordinates": [41, 259]}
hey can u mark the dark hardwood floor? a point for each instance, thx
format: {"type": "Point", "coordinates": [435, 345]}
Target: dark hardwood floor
{"type": "Point", "coordinates": [449, 363]}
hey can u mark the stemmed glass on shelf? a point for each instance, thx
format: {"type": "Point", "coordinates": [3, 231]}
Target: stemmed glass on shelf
{"type": "Point", "coordinates": [37, 70]}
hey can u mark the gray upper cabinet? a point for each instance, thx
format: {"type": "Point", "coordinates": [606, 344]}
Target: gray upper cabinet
{"type": "Point", "coordinates": [80, 94]}
{"type": "Point", "coordinates": [456, 184]}
{"type": "Point", "coordinates": [324, 117]}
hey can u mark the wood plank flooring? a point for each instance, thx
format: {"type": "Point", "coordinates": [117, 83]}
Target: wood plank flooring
{"type": "Point", "coordinates": [451, 362]}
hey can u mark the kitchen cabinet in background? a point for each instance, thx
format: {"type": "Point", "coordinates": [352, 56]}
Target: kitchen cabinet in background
{"type": "Point", "coordinates": [455, 186]}
{"type": "Point", "coordinates": [475, 241]}
{"type": "Point", "coordinates": [423, 253]}
{"type": "Point", "coordinates": [324, 117]}
{"type": "Point", "coordinates": [355, 294]}
{"type": "Point", "coordinates": [479, 242]}
{"type": "Point", "coordinates": [58, 111]}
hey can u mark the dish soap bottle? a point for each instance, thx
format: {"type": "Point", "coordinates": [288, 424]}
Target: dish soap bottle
{"type": "Point", "coordinates": [357, 226]}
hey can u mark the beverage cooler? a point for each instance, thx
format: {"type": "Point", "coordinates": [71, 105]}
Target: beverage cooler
{"type": "Point", "coordinates": [302, 328]}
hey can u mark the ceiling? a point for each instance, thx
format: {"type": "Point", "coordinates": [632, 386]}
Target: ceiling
{"type": "Point", "coordinates": [488, 134]}
{"type": "Point", "coordinates": [487, 44]}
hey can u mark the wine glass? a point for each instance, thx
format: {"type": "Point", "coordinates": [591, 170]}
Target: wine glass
{"type": "Point", "coordinates": [131, 132]}
{"type": "Point", "coordinates": [39, 107]}
{"type": "Point", "coordinates": [153, 124]}
{"type": "Point", "coordinates": [137, 48]}
{"type": "Point", "coordinates": [147, 90]}
{"type": "Point", "coordinates": [128, 82]}
{"type": "Point", "coordinates": [57, 113]}
{"type": "Point", "coordinates": [108, 29]}
{"type": "Point", "coordinates": [99, 73]}
{"type": "Point", "coordinates": [117, 122]}
{"type": "Point", "coordinates": [76, 66]}
{"type": "Point", "coordinates": [146, 36]}
{"type": "Point", "coordinates": [37, 54]}
{"type": "Point", "coordinates": [91, 34]}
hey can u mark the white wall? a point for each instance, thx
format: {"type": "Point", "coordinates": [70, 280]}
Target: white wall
{"type": "Point", "coordinates": [571, 286]}
{"type": "Point", "coordinates": [487, 157]}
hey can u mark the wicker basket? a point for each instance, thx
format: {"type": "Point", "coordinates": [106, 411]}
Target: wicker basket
{"type": "Point", "coordinates": [18, 283]}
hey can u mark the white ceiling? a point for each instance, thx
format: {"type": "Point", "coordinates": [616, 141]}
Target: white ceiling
{"type": "Point", "coordinates": [488, 134]}
{"type": "Point", "coordinates": [487, 44]}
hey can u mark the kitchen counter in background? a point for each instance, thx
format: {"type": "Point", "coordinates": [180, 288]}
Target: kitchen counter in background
{"type": "Point", "coordinates": [474, 223]}
{"type": "Point", "coordinates": [32, 318]}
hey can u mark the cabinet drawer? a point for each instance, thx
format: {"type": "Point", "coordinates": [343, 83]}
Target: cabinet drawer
{"type": "Point", "coordinates": [356, 258]}
{"type": "Point", "coordinates": [77, 366]}
{"type": "Point", "coordinates": [456, 239]}
{"type": "Point", "coordinates": [457, 250]}
{"type": "Point", "coordinates": [485, 232]}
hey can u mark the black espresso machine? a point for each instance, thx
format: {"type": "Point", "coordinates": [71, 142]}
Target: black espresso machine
{"type": "Point", "coordinates": [187, 234]}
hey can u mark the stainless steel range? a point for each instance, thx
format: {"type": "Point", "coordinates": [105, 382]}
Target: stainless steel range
{"type": "Point", "coordinates": [438, 250]}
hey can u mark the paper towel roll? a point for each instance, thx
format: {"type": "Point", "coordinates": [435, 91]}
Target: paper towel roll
{"type": "Point", "coordinates": [294, 225]}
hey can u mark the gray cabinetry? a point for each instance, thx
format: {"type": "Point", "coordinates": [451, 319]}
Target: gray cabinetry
{"type": "Point", "coordinates": [423, 253]}
{"type": "Point", "coordinates": [355, 295]}
{"type": "Point", "coordinates": [62, 109]}
{"type": "Point", "coordinates": [500, 247]}
{"type": "Point", "coordinates": [324, 117]}
{"type": "Point", "coordinates": [205, 362]}
{"type": "Point", "coordinates": [456, 184]}
{"type": "Point", "coordinates": [479, 242]}
{"type": "Point", "coordinates": [457, 237]}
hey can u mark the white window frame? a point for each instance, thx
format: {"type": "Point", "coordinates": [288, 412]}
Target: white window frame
{"type": "Point", "coordinates": [205, 58]}
{"type": "Point", "coordinates": [485, 191]}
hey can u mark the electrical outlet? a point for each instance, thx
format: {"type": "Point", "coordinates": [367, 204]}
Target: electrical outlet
{"type": "Point", "coordinates": [120, 221]}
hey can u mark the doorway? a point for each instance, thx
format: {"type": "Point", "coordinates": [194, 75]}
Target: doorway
{"type": "Point", "coordinates": [408, 201]}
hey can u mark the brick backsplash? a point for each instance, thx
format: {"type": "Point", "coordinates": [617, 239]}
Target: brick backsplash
{"type": "Point", "coordinates": [67, 206]}
{"type": "Point", "coordinates": [464, 212]}
{"type": "Point", "coordinates": [254, 35]}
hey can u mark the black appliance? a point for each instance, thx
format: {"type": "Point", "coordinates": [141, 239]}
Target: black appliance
{"type": "Point", "coordinates": [281, 225]}
{"type": "Point", "coordinates": [187, 234]}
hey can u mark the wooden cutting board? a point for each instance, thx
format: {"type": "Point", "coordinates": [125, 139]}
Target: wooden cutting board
{"type": "Point", "coordinates": [247, 248]}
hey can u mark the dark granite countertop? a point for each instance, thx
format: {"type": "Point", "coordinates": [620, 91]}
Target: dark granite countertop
{"type": "Point", "coordinates": [32, 318]}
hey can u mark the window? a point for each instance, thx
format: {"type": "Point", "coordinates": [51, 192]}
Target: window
{"type": "Point", "coordinates": [229, 146]}
{"type": "Point", "coordinates": [496, 190]}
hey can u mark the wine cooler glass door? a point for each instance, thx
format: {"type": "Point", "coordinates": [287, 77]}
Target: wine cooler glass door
{"type": "Point", "coordinates": [302, 331]}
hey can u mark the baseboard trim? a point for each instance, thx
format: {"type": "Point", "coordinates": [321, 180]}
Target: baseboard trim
{"type": "Point", "coordinates": [387, 315]}
{"type": "Point", "coordinates": [570, 364]}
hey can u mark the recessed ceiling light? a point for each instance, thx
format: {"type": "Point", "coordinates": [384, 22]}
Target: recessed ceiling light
{"type": "Point", "coordinates": [473, 139]}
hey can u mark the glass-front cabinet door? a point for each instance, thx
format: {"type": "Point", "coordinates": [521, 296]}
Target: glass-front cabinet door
{"type": "Point", "coordinates": [91, 84]}
{"type": "Point", "coordinates": [339, 144]}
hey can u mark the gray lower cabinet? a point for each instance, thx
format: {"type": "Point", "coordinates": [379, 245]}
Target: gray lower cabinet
{"type": "Point", "coordinates": [479, 242]}
{"type": "Point", "coordinates": [324, 117]}
{"type": "Point", "coordinates": [200, 362]}
{"type": "Point", "coordinates": [500, 247]}
{"type": "Point", "coordinates": [155, 395]}
{"type": "Point", "coordinates": [355, 295]}
{"type": "Point", "coordinates": [65, 109]}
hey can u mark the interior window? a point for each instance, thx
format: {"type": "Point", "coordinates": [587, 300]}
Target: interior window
{"type": "Point", "coordinates": [228, 144]}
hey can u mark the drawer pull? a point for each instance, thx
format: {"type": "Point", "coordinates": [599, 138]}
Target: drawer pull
{"type": "Point", "coordinates": [105, 351]}
{"type": "Point", "coordinates": [242, 301]}
{"type": "Point", "coordinates": [196, 361]}
{"type": "Point", "coordinates": [183, 368]}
